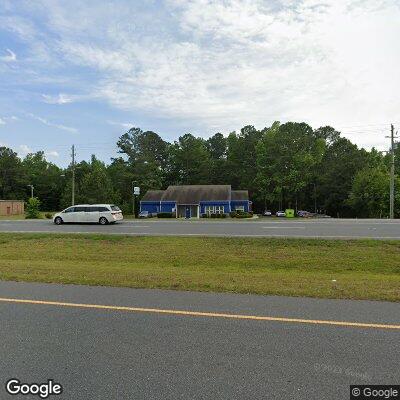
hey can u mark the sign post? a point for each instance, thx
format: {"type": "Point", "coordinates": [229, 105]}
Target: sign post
{"type": "Point", "coordinates": [135, 192]}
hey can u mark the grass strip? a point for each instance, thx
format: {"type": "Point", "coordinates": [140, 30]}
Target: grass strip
{"type": "Point", "coordinates": [351, 269]}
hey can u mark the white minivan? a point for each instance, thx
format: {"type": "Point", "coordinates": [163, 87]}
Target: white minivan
{"type": "Point", "coordinates": [89, 213]}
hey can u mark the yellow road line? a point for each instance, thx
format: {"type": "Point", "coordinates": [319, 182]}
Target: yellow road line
{"type": "Point", "coordinates": [204, 314]}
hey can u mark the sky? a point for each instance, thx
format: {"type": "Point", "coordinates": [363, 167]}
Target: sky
{"type": "Point", "coordinates": [84, 72]}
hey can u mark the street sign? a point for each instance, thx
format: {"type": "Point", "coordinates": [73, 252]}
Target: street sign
{"type": "Point", "coordinates": [136, 190]}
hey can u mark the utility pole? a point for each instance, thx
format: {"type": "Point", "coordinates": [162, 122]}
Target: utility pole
{"type": "Point", "coordinates": [391, 207]}
{"type": "Point", "coordinates": [73, 174]}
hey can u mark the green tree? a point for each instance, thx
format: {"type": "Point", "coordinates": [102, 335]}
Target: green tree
{"type": "Point", "coordinates": [46, 178]}
{"type": "Point", "coordinates": [336, 172]}
{"type": "Point", "coordinates": [286, 158]}
{"type": "Point", "coordinates": [369, 196]}
{"type": "Point", "coordinates": [96, 186]}
{"type": "Point", "coordinates": [217, 149]}
{"type": "Point", "coordinates": [190, 161]}
{"type": "Point", "coordinates": [92, 184]}
{"type": "Point", "coordinates": [32, 208]}
{"type": "Point", "coordinates": [121, 175]}
{"type": "Point", "coordinates": [12, 176]}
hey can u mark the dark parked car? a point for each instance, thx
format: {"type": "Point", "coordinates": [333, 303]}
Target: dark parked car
{"type": "Point", "coordinates": [304, 214]}
{"type": "Point", "coordinates": [146, 214]}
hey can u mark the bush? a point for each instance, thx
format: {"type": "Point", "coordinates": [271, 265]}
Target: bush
{"type": "Point", "coordinates": [165, 215]}
{"type": "Point", "coordinates": [204, 215]}
{"type": "Point", "coordinates": [241, 214]}
{"type": "Point", "coordinates": [245, 215]}
{"type": "Point", "coordinates": [48, 215]}
{"type": "Point", "coordinates": [32, 208]}
{"type": "Point", "coordinates": [217, 216]}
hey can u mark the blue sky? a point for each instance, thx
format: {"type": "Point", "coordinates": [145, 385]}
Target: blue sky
{"type": "Point", "coordinates": [83, 72]}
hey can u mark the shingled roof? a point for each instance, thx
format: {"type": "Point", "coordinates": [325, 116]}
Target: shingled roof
{"type": "Point", "coordinates": [193, 194]}
{"type": "Point", "coordinates": [240, 195]}
{"type": "Point", "coordinates": [153, 195]}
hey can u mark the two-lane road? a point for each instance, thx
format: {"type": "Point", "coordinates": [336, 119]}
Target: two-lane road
{"type": "Point", "coordinates": [263, 227]}
{"type": "Point", "coordinates": [116, 343]}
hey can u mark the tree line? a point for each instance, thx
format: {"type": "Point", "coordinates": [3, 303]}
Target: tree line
{"type": "Point", "coordinates": [284, 165]}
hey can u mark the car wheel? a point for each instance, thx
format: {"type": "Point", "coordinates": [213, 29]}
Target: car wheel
{"type": "Point", "coordinates": [103, 221]}
{"type": "Point", "coordinates": [58, 221]}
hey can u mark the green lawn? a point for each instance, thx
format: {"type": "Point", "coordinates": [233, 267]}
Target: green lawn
{"type": "Point", "coordinates": [356, 269]}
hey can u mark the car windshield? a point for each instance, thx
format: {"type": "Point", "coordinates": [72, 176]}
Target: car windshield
{"type": "Point", "coordinates": [115, 208]}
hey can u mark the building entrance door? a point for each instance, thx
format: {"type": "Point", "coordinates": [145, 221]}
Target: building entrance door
{"type": "Point", "coordinates": [188, 211]}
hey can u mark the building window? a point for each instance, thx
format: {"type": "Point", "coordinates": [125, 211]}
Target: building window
{"type": "Point", "coordinates": [219, 209]}
{"type": "Point", "coordinates": [209, 210]}
{"type": "Point", "coordinates": [214, 210]}
{"type": "Point", "coordinates": [239, 208]}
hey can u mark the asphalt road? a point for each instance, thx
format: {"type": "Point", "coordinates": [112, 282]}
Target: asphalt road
{"type": "Point", "coordinates": [263, 227]}
{"type": "Point", "coordinates": [112, 354]}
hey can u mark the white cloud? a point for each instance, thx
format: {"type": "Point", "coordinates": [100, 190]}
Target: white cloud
{"type": "Point", "coordinates": [126, 125]}
{"type": "Point", "coordinates": [61, 98]}
{"type": "Point", "coordinates": [51, 124]}
{"type": "Point", "coordinates": [220, 65]}
{"type": "Point", "coordinates": [10, 57]}
{"type": "Point", "coordinates": [24, 150]}
{"type": "Point", "coordinates": [51, 153]}
{"type": "Point", "coordinates": [5, 120]}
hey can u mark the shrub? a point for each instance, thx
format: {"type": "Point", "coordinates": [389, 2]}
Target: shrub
{"type": "Point", "coordinates": [233, 214]}
{"type": "Point", "coordinates": [32, 208]}
{"type": "Point", "coordinates": [244, 215]}
{"type": "Point", "coordinates": [218, 215]}
{"type": "Point", "coordinates": [165, 215]}
{"type": "Point", "coordinates": [204, 215]}
{"type": "Point", "coordinates": [48, 215]}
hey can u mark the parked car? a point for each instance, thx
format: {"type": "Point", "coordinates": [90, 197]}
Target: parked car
{"type": "Point", "coordinates": [304, 214]}
{"type": "Point", "coordinates": [267, 213]}
{"type": "Point", "coordinates": [146, 214]}
{"type": "Point", "coordinates": [102, 214]}
{"type": "Point", "coordinates": [280, 214]}
{"type": "Point", "coordinates": [322, 216]}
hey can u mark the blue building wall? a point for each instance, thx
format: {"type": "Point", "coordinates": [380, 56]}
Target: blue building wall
{"type": "Point", "coordinates": [150, 206]}
{"type": "Point", "coordinates": [167, 206]}
{"type": "Point", "coordinates": [240, 203]}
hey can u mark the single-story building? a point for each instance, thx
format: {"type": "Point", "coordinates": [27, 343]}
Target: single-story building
{"type": "Point", "coordinates": [194, 200]}
{"type": "Point", "coordinates": [11, 207]}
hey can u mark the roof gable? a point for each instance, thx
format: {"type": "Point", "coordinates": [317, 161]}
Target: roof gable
{"type": "Point", "coordinates": [240, 195]}
{"type": "Point", "coordinates": [153, 195]}
{"type": "Point", "coordinates": [193, 194]}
